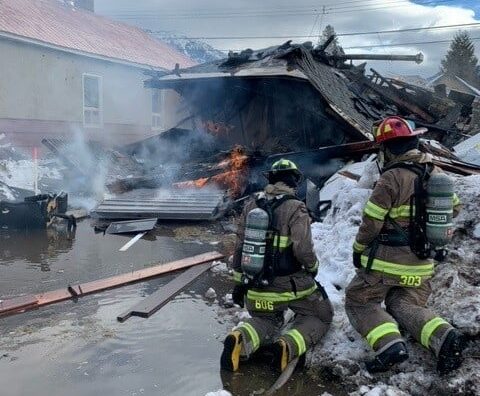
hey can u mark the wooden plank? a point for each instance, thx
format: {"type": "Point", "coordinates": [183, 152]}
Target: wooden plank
{"type": "Point", "coordinates": [157, 300]}
{"type": "Point", "coordinates": [17, 305]}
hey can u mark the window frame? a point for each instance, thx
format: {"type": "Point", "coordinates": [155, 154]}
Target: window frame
{"type": "Point", "coordinates": [100, 101]}
{"type": "Point", "coordinates": [155, 115]}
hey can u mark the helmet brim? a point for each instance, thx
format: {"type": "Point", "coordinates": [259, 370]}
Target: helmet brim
{"type": "Point", "coordinates": [415, 132]}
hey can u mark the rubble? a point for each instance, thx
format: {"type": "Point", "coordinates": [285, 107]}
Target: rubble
{"type": "Point", "coordinates": [333, 101]}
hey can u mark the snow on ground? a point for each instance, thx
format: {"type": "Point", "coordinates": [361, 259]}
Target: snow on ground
{"type": "Point", "coordinates": [455, 296]}
{"type": "Point", "coordinates": [21, 174]}
{"type": "Point", "coordinates": [219, 393]}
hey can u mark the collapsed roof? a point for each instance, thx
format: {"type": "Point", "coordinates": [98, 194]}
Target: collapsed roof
{"type": "Point", "coordinates": [303, 98]}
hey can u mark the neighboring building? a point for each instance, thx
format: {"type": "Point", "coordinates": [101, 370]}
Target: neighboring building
{"type": "Point", "coordinates": [452, 83]}
{"type": "Point", "coordinates": [67, 71]}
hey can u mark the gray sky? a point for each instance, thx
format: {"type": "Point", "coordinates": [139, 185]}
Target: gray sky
{"type": "Point", "coordinates": [220, 18]}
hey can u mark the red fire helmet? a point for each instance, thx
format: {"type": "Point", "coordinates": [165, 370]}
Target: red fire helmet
{"type": "Point", "coordinates": [394, 128]}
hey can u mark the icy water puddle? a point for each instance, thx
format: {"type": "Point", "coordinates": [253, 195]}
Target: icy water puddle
{"type": "Point", "coordinates": [80, 348]}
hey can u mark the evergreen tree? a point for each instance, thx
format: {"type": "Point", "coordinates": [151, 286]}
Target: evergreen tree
{"type": "Point", "coordinates": [461, 60]}
{"type": "Point", "coordinates": [334, 48]}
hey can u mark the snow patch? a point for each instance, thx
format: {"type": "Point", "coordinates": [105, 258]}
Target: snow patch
{"type": "Point", "coordinates": [455, 296]}
{"type": "Point", "coordinates": [219, 393]}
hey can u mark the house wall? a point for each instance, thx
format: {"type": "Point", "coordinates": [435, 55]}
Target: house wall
{"type": "Point", "coordinates": [41, 95]}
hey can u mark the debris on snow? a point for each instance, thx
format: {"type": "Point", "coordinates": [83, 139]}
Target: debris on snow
{"type": "Point", "coordinates": [211, 294]}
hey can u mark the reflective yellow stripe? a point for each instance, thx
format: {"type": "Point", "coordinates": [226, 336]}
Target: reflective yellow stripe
{"type": "Point", "coordinates": [299, 341]}
{"type": "Point", "coordinates": [456, 200]}
{"type": "Point", "coordinates": [374, 211]}
{"type": "Point", "coordinates": [252, 333]}
{"type": "Point", "coordinates": [401, 211]}
{"type": "Point", "coordinates": [358, 247]}
{"type": "Point", "coordinates": [281, 241]}
{"type": "Point", "coordinates": [279, 297]}
{"type": "Point", "coordinates": [429, 328]}
{"type": "Point", "coordinates": [381, 331]}
{"type": "Point", "coordinates": [399, 269]}
{"type": "Point", "coordinates": [314, 268]}
{"type": "Point", "coordinates": [237, 276]}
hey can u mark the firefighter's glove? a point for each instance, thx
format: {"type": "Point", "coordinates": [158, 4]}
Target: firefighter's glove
{"type": "Point", "coordinates": [238, 294]}
{"type": "Point", "coordinates": [357, 260]}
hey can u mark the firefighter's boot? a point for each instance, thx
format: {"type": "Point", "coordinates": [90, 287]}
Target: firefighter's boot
{"type": "Point", "coordinates": [450, 357]}
{"type": "Point", "coordinates": [232, 347]}
{"type": "Point", "coordinates": [396, 353]}
{"type": "Point", "coordinates": [281, 354]}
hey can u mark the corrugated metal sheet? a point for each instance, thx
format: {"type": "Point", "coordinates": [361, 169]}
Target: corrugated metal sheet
{"type": "Point", "coordinates": [172, 205]}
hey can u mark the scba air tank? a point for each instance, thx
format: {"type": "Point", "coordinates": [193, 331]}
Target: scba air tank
{"type": "Point", "coordinates": [439, 208]}
{"type": "Point", "coordinates": [253, 253]}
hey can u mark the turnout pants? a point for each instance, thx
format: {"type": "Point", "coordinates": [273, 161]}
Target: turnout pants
{"type": "Point", "coordinates": [405, 307]}
{"type": "Point", "coordinates": [313, 316]}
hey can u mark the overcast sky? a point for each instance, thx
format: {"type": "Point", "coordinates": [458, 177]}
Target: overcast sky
{"type": "Point", "coordinates": [220, 18]}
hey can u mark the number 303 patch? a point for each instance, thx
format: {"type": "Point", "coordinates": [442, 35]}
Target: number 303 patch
{"type": "Point", "coordinates": [410, 280]}
{"type": "Point", "coordinates": [264, 305]}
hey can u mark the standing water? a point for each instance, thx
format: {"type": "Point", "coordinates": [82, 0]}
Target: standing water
{"type": "Point", "coordinates": [79, 348]}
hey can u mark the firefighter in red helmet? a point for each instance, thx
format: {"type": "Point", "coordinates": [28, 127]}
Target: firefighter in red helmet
{"type": "Point", "coordinates": [390, 269]}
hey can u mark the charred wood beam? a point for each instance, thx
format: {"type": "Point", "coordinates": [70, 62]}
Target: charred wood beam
{"type": "Point", "coordinates": [325, 45]}
{"type": "Point", "coordinates": [338, 151]}
{"type": "Point", "coordinates": [389, 94]}
{"type": "Point", "coordinates": [370, 147]}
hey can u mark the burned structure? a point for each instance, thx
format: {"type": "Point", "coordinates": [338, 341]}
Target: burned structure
{"type": "Point", "coordinates": [240, 114]}
{"type": "Point", "coordinates": [296, 98]}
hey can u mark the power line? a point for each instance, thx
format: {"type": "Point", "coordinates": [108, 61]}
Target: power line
{"type": "Point", "coordinates": [405, 44]}
{"type": "Point", "coordinates": [380, 45]}
{"type": "Point", "coordinates": [249, 14]}
{"type": "Point", "coordinates": [226, 12]}
{"type": "Point", "coordinates": [460, 25]}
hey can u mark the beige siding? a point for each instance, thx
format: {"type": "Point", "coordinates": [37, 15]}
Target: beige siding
{"type": "Point", "coordinates": [40, 86]}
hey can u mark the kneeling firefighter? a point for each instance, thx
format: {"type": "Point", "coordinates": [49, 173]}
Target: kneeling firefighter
{"type": "Point", "coordinates": [274, 268]}
{"type": "Point", "coordinates": [407, 220]}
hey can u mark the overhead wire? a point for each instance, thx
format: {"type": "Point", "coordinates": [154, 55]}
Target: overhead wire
{"type": "Point", "coordinates": [331, 10]}
{"type": "Point", "coordinates": [406, 44]}
{"type": "Point", "coordinates": [460, 25]}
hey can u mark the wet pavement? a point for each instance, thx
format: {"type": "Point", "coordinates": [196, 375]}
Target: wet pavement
{"type": "Point", "coordinates": [80, 348]}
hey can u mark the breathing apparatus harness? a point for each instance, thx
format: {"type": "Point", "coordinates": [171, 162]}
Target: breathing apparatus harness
{"type": "Point", "coordinates": [417, 235]}
{"type": "Point", "coordinates": [260, 267]}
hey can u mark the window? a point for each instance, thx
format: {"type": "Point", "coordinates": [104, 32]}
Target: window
{"type": "Point", "coordinates": [92, 101]}
{"type": "Point", "coordinates": [158, 108]}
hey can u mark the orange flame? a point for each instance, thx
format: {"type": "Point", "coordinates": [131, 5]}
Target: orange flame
{"type": "Point", "coordinates": [233, 179]}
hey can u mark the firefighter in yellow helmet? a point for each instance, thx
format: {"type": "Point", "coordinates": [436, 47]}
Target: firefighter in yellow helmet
{"type": "Point", "coordinates": [283, 279]}
{"type": "Point", "coordinates": [393, 267]}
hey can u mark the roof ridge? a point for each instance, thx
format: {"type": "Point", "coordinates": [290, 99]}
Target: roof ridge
{"type": "Point", "coordinates": [51, 22]}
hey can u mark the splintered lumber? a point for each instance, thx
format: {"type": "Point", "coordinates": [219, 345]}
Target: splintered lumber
{"type": "Point", "coordinates": [24, 303]}
{"type": "Point", "coordinates": [157, 300]}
